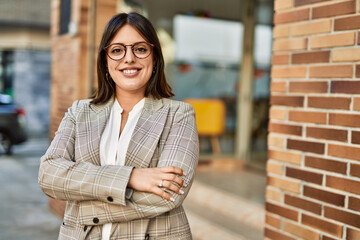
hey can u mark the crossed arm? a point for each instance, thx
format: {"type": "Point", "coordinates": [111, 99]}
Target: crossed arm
{"type": "Point", "coordinates": [61, 178]}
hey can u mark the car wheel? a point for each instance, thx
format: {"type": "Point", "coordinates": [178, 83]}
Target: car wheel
{"type": "Point", "coordinates": [5, 144]}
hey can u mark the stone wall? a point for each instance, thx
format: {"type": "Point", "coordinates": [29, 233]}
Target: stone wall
{"type": "Point", "coordinates": [31, 88]}
{"type": "Point", "coordinates": [313, 170]}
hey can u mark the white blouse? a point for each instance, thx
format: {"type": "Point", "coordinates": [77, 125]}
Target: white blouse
{"type": "Point", "coordinates": [113, 147]}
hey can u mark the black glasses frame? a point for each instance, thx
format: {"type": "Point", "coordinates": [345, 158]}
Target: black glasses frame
{"type": "Point", "coordinates": [125, 47]}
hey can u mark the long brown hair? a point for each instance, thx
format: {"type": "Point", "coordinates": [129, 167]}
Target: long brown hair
{"type": "Point", "coordinates": [157, 86]}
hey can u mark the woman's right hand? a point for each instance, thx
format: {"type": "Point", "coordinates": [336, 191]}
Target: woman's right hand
{"type": "Point", "coordinates": [156, 180]}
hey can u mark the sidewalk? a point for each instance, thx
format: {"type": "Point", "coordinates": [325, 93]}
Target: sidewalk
{"type": "Point", "coordinates": [24, 213]}
{"type": "Point", "coordinates": [226, 204]}
{"type": "Point", "coordinates": [222, 204]}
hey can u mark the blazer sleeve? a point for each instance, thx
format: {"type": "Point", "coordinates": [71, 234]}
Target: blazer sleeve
{"type": "Point", "coordinates": [63, 177]}
{"type": "Point", "coordinates": [181, 149]}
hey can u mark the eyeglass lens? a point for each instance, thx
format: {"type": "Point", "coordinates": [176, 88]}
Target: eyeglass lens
{"type": "Point", "coordinates": [118, 51]}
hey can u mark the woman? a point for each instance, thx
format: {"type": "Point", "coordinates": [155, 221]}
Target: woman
{"type": "Point", "coordinates": [125, 160]}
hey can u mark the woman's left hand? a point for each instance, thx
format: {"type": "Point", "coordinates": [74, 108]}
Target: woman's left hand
{"type": "Point", "coordinates": [156, 180]}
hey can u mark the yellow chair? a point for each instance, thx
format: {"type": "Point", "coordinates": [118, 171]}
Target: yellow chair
{"type": "Point", "coordinates": [210, 119]}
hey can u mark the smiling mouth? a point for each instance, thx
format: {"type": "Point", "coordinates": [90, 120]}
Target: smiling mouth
{"type": "Point", "coordinates": [130, 71]}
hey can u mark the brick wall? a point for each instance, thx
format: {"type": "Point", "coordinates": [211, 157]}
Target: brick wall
{"type": "Point", "coordinates": [313, 189]}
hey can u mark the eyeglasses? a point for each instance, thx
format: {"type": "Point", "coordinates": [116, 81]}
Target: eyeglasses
{"type": "Point", "coordinates": [117, 51]}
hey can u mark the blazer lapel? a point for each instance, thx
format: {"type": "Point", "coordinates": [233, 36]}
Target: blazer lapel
{"type": "Point", "coordinates": [97, 122]}
{"type": "Point", "coordinates": [146, 133]}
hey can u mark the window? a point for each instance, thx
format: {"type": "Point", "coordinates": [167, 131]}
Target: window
{"type": "Point", "coordinates": [6, 72]}
{"type": "Point", "coordinates": [65, 14]}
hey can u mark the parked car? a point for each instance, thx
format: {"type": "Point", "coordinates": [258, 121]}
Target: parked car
{"type": "Point", "coordinates": [12, 124]}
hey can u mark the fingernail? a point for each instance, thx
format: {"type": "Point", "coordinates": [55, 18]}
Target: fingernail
{"type": "Point", "coordinates": [181, 192]}
{"type": "Point", "coordinates": [172, 199]}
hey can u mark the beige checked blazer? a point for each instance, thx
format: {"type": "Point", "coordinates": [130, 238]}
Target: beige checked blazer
{"type": "Point", "coordinates": [165, 135]}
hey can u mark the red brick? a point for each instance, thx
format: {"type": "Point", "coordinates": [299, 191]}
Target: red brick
{"type": "Point", "coordinates": [280, 59]}
{"type": "Point", "coordinates": [275, 235]}
{"type": "Point", "coordinates": [311, 28]}
{"type": "Point", "coordinates": [304, 2]}
{"type": "Point", "coordinates": [273, 194]}
{"type": "Point", "coordinates": [291, 16]}
{"type": "Point", "coordinates": [309, 117]}
{"type": "Point", "coordinates": [288, 72]}
{"type": "Point", "coordinates": [358, 42]}
{"type": "Point", "coordinates": [351, 87]}
{"type": "Point", "coordinates": [308, 87]}
{"type": "Point", "coordinates": [342, 216]}
{"type": "Point", "coordinates": [352, 234]}
{"type": "Point", "coordinates": [282, 211]}
{"type": "Point", "coordinates": [327, 133]}
{"type": "Point", "coordinates": [355, 137]}
{"type": "Point", "coordinates": [324, 196]}
{"type": "Point", "coordinates": [292, 101]}
{"type": "Point", "coordinates": [276, 141]}
{"type": "Point", "coordinates": [354, 203]}
{"type": "Point", "coordinates": [322, 225]}
{"type": "Point", "coordinates": [277, 86]}
{"type": "Point", "coordinates": [355, 170]}
{"type": "Point", "coordinates": [326, 164]}
{"type": "Point", "coordinates": [347, 120]}
{"type": "Point", "coordinates": [274, 167]}
{"type": "Point", "coordinates": [347, 23]}
{"type": "Point", "coordinates": [357, 74]}
{"type": "Point", "coordinates": [277, 113]}
{"type": "Point", "coordinates": [341, 151]}
{"type": "Point", "coordinates": [306, 146]}
{"type": "Point", "coordinates": [346, 54]}
{"type": "Point", "coordinates": [303, 204]}
{"type": "Point", "coordinates": [285, 129]}
{"type": "Point", "coordinates": [272, 220]}
{"type": "Point", "coordinates": [283, 4]}
{"type": "Point", "coordinates": [329, 102]}
{"type": "Point", "coordinates": [284, 184]}
{"type": "Point", "coordinates": [310, 57]}
{"type": "Point", "coordinates": [300, 231]}
{"type": "Point", "coordinates": [356, 106]}
{"type": "Point", "coordinates": [328, 238]}
{"type": "Point", "coordinates": [290, 44]}
{"type": "Point", "coordinates": [331, 71]}
{"type": "Point", "coordinates": [336, 9]}
{"type": "Point", "coordinates": [304, 175]}
{"type": "Point", "coordinates": [285, 156]}
{"type": "Point", "coordinates": [333, 40]}
{"type": "Point", "coordinates": [281, 31]}
{"type": "Point", "coordinates": [343, 184]}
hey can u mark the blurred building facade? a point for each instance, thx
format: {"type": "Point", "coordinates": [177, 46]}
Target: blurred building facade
{"type": "Point", "coordinates": [25, 53]}
{"type": "Point", "coordinates": [312, 171]}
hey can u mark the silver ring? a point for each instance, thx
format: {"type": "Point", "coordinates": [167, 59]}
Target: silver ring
{"type": "Point", "coordinates": [161, 183]}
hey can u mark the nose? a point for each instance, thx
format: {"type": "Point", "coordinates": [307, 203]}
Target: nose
{"type": "Point", "coordinates": [129, 55]}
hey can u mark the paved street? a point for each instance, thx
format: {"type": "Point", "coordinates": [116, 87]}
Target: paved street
{"type": "Point", "coordinates": [24, 213]}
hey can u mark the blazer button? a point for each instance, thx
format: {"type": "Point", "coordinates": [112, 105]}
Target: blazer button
{"type": "Point", "coordinates": [85, 228]}
{"type": "Point", "coordinates": [96, 220]}
{"type": "Point", "coordinates": [110, 199]}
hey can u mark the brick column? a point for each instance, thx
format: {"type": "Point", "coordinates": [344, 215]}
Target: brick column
{"type": "Point", "coordinates": [73, 60]}
{"type": "Point", "coordinates": [313, 189]}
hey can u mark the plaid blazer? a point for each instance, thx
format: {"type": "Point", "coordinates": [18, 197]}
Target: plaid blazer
{"type": "Point", "coordinates": [165, 135]}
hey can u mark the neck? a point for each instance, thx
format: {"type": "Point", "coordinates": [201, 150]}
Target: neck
{"type": "Point", "coordinates": [128, 101]}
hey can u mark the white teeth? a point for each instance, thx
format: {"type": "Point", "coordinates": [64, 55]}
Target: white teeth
{"type": "Point", "coordinates": [130, 71]}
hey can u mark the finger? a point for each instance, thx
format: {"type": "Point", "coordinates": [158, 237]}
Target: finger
{"type": "Point", "coordinates": [172, 169]}
{"type": "Point", "coordinates": [158, 191]}
{"type": "Point", "coordinates": [172, 187]}
{"type": "Point", "coordinates": [174, 178]}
